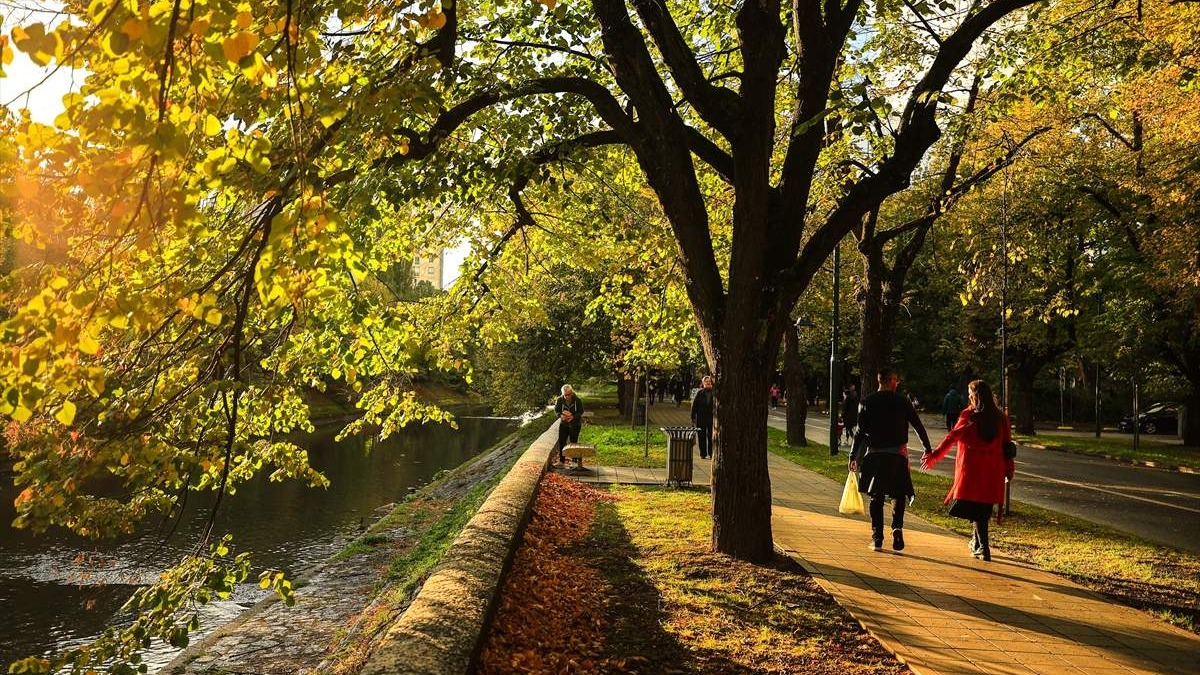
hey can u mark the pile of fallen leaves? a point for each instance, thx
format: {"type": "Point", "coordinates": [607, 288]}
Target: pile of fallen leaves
{"type": "Point", "coordinates": [551, 615]}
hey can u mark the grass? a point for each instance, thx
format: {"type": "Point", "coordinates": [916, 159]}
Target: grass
{"type": "Point", "coordinates": [675, 606]}
{"type": "Point", "coordinates": [1163, 581]}
{"type": "Point", "coordinates": [1153, 452]}
{"type": "Point", "coordinates": [622, 446]}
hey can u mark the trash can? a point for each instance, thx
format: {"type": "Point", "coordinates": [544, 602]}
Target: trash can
{"type": "Point", "coordinates": [679, 453]}
{"type": "Point", "coordinates": [639, 412]}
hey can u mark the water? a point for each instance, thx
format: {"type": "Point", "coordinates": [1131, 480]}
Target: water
{"type": "Point", "coordinates": [57, 590]}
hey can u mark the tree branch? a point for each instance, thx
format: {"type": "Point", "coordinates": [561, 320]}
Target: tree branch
{"type": "Point", "coordinates": [924, 22]}
{"type": "Point", "coordinates": [718, 106]}
{"type": "Point", "coordinates": [918, 131]}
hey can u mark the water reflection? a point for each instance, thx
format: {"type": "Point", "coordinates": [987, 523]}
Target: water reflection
{"type": "Point", "coordinates": [53, 596]}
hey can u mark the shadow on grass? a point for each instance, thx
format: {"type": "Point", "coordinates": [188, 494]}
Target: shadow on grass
{"type": "Point", "coordinates": [636, 615]}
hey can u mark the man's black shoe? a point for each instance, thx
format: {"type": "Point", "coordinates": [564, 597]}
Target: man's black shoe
{"type": "Point", "coordinates": [898, 540]}
{"type": "Point", "coordinates": [876, 544]}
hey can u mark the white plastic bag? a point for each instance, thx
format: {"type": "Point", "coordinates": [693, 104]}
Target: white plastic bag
{"type": "Point", "coordinates": [852, 501]}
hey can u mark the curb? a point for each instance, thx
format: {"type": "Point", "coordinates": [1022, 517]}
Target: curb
{"type": "Point", "coordinates": [1114, 458]}
{"type": "Point", "coordinates": [443, 630]}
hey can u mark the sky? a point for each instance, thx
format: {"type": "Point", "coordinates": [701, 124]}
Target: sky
{"type": "Point", "coordinates": [23, 86]}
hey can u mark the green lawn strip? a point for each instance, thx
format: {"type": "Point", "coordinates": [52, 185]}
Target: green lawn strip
{"type": "Point", "coordinates": [1163, 581]}
{"type": "Point", "coordinates": [675, 606]}
{"type": "Point", "coordinates": [622, 446]}
{"type": "Point", "coordinates": [1151, 451]}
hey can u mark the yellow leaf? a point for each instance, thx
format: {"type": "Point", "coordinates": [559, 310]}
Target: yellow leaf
{"type": "Point", "coordinates": [66, 414]}
{"type": "Point", "coordinates": [88, 344]}
{"type": "Point", "coordinates": [244, 19]}
{"type": "Point", "coordinates": [436, 20]}
{"type": "Point", "coordinates": [134, 28]}
{"type": "Point", "coordinates": [200, 26]}
{"type": "Point", "coordinates": [212, 126]}
{"type": "Point", "coordinates": [238, 46]}
{"type": "Point", "coordinates": [213, 317]}
{"type": "Point", "coordinates": [58, 283]}
{"type": "Point", "coordinates": [125, 459]}
{"type": "Point", "coordinates": [22, 414]}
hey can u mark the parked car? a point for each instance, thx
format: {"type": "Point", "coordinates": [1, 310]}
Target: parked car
{"type": "Point", "coordinates": [1158, 418]}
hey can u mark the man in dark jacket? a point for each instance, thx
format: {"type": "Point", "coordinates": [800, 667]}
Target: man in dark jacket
{"type": "Point", "coordinates": [952, 405]}
{"type": "Point", "coordinates": [569, 409]}
{"type": "Point", "coordinates": [881, 452]}
{"type": "Point", "coordinates": [849, 413]}
{"type": "Point", "coordinates": [702, 415]}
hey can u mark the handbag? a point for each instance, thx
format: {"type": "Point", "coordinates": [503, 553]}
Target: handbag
{"type": "Point", "coordinates": [1010, 450]}
{"type": "Point", "coordinates": [852, 501]}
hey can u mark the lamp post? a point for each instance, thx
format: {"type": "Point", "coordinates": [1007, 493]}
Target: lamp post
{"type": "Point", "coordinates": [835, 369]}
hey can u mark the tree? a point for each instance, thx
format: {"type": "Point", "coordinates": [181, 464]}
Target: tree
{"type": "Point", "coordinates": [227, 176]}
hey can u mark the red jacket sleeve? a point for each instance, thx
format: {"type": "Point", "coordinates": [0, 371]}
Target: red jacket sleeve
{"type": "Point", "coordinates": [954, 436]}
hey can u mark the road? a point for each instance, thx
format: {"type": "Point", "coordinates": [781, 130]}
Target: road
{"type": "Point", "coordinates": [1156, 504]}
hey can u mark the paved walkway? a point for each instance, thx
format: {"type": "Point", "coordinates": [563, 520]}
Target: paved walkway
{"type": "Point", "coordinates": [941, 611]}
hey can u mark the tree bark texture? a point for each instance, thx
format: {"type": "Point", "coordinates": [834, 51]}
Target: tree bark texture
{"type": "Point", "coordinates": [797, 390]}
{"type": "Point", "coordinates": [741, 486]}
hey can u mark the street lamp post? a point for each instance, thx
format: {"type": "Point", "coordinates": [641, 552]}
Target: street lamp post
{"type": "Point", "coordinates": [835, 370]}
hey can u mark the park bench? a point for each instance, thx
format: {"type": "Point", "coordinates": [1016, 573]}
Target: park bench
{"type": "Point", "coordinates": [579, 452]}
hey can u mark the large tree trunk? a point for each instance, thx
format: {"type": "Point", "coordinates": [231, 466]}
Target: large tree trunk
{"type": "Point", "coordinates": [741, 486]}
{"type": "Point", "coordinates": [1021, 381]}
{"type": "Point", "coordinates": [794, 377]}
{"type": "Point", "coordinates": [875, 342]}
{"type": "Point", "coordinates": [1191, 417]}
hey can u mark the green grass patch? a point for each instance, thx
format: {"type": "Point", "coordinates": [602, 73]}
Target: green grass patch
{"type": "Point", "coordinates": [623, 446]}
{"type": "Point", "coordinates": [1150, 451]}
{"type": "Point", "coordinates": [1164, 581]}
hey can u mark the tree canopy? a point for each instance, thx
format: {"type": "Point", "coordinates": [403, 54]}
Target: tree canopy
{"type": "Point", "coordinates": [228, 182]}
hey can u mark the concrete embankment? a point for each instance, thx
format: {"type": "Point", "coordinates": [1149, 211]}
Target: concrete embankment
{"type": "Point", "coordinates": [343, 616]}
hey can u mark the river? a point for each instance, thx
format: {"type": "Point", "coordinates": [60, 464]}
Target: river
{"type": "Point", "coordinates": [57, 590]}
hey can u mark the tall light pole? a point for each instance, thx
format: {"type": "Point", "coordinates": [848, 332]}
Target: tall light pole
{"type": "Point", "coordinates": [835, 364]}
{"type": "Point", "coordinates": [1004, 294]}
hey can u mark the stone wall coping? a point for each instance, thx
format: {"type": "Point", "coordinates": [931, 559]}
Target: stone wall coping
{"type": "Point", "coordinates": [443, 630]}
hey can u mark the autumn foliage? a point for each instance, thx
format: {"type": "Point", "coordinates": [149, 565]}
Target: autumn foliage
{"type": "Point", "coordinates": [551, 614]}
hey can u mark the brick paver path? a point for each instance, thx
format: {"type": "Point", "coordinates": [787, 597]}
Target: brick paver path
{"type": "Point", "coordinates": [941, 611]}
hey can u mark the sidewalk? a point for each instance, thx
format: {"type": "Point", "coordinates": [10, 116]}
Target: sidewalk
{"type": "Point", "coordinates": [939, 610]}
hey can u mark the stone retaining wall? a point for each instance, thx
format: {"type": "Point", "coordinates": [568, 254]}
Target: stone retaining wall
{"type": "Point", "coordinates": [442, 631]}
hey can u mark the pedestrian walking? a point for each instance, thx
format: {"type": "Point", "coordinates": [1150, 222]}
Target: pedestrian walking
{"type": "Point", "coordinates": [952, 405]}
{"type": "Point", "coordinates": [880, 452]}
{"type": "Point", "coordinates": [702, 415]}
{"type": "Point", "coordinates": [849, 413]}
{"type": "Point", "coordinates": [985, 460]}
{"type": "Point", "coordinates": [569, 409]}
{"type": "Point", "coordinates": [774, 393]}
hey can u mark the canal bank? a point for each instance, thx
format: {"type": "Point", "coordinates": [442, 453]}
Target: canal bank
{"type": "Point", "coordinates": [61, 591]}
{"type": "Point", "coordinates": [345, 606]}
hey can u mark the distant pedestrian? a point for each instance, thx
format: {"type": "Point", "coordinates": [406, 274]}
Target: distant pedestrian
{"type": "Point", "coordinates": [985, 460]}
{"type": "Point", "coordinates": [702, 415]}
{"type": "Point", "coordinates": [774, 396]}
{"type": "Point", "coordinates": [849, 413]}
{"type": "Point", "coordinates": [677, 391]}
{"type": "Point", "coordinates": [569, 409]}
{"type": "Point", "coordinates": [952, 404]}
{"type": "Point", "coordinates": [651, 385]}
{"type": "Point", "coordinates": [881, 452]}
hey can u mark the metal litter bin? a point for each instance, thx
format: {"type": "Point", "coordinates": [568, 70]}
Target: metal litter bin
{"type": "Point", "coordinates": [679, 453]}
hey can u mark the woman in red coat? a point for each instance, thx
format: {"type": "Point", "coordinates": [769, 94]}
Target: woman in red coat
{"type": "Point", "coordinates": [981, 434]}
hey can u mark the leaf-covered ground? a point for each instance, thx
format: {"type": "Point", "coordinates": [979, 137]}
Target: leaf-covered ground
{"type": "Point", "coordinates": [622, 581]}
